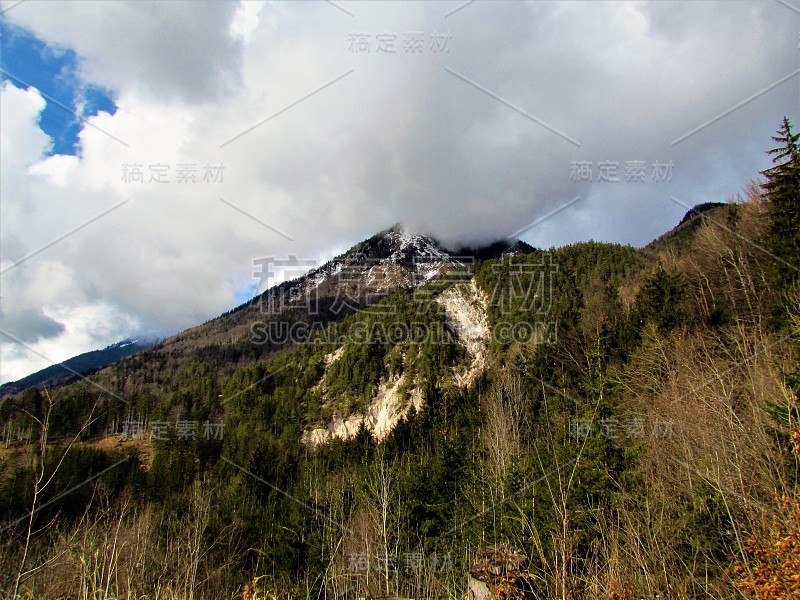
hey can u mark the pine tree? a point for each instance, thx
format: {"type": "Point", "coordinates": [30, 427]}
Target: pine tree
{"type": "Point", "coordinates": [662, 300]}
{"type": "Point", "coordinates": [783, 190]}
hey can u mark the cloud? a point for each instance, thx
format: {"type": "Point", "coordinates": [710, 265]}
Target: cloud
{"type": "Point", "coordinates": [460, 139]}
{"type": "Point", "coordinates": [31, 325]}
{"type": "Point", "coordinates": [22, 143]}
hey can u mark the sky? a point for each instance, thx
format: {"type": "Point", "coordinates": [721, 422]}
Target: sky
{"type": "Point", "coordinates": [151, 151]}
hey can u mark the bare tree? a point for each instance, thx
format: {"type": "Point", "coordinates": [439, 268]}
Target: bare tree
{"type": "Point", "coordinates": [41, 481]}
{"type": "Point", "coordinates": [384, 514]}
{"type": "Point", "coordinates": [504, 408]}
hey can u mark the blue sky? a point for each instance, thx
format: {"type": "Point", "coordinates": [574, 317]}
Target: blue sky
{"type": "Point", "coordinates": [247, 293]}
{"type": "Point", "coordinates": [27, 61]}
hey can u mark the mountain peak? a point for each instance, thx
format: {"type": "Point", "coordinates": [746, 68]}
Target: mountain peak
{"type": "Point", "coordinates": [397, 245]}
{"type": "Point", "coordinates": [391, 259]}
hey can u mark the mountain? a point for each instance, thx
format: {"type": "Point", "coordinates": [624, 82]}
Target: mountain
{"type": "Point", "coordinates": [392, 259]}
{"type": "Point", "coordinates": [372, 270]}
{"type": "Point", "coordinates": [82, 364]}
{"type": "Point", "coordinates": [695, 217]}
{"type": "Point", "coordinates": [507, 247]}
{"type": "Point", "coordinates": [409, 421]}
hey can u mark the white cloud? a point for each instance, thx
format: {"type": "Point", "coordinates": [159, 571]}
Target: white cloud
{"type": "Point", "coordinates": [21, 141]}
{"type": "Point", "coordinates": [245, 20]}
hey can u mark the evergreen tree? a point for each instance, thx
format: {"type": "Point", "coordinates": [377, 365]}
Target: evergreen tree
{"type": "Point", "coordinates": [783, 189]}
{"type": "Point", "coordinates": [662, 300]}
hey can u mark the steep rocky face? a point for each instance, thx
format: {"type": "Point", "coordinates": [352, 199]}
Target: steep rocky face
{"type": "Point", "coordinates": [465, 310]}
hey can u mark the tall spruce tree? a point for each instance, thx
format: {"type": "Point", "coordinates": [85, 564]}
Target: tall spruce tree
{"type": "Point", "coordinates": [783, 190]}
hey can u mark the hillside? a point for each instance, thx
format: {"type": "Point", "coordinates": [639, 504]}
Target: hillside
{"type": "Point", "coordinates": [592, 421]}
{"type": "Point", "coordinates": [72, 368]}
{"type": "Point", "coordinates": [291, 312]}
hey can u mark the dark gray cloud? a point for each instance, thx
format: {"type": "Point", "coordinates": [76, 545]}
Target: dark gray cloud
{"type": "Point", "coordinates": [32, 325]}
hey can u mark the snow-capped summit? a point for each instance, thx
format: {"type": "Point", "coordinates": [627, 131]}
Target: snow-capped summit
{"type": "Point", "coordinates": [412, 245]}
{"type": "Point", "coordinates": [392, 259]}
{"type": "Point", "coordinates": [400, 246]}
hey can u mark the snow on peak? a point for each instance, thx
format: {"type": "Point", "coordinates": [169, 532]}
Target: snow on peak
{"type": "Point", "coordinates": [406, 243]}
{"type": "Point", "coordinates": [394, 257]}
